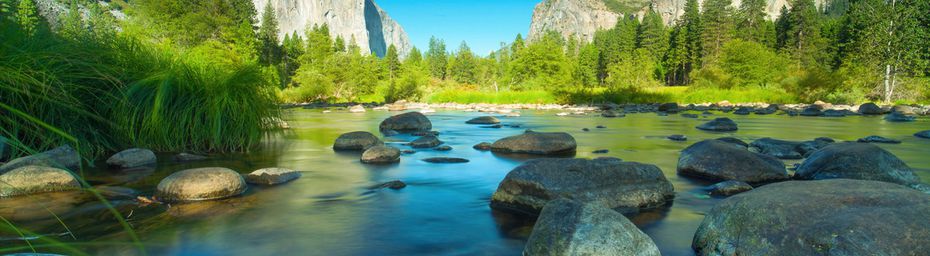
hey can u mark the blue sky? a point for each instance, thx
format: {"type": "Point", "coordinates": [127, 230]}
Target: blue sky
{"type": "Point", "coordinates": [484, 24]}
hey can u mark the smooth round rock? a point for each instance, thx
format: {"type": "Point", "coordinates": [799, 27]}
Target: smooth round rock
{"type": "Point", "coordinates": [781, 149]}
{"type": "Point", "coordinates": [537, 143]}
{"type": "Point", "coordinates": [728, 188]}
{"type": "Point", "coordinates": [567, 227]}
{"type": "Point", "coordinates": [871, 109]}
{"type": "Point", "coordinates": [133, 157]}
{"type": "Point", "coordinates": [733, 140]}
{"type": "Point", "coordinates": [381, 155]}
{"type": "Point", "coordinates": [722, 124]}
{"type": "Point", "coordinates": [828, 217]}
{"type": "Point", "coordinates": [852, 160]}
{"type": "Point", "coordinates": [407, 122]}
{"type": "Point", "coordinates": [668, 107]}
{"type": "Point", "coordinates": [272, 176]}
{"type": "Point", "coordinates": [677, 137]}
{"type": "Point", "coordinates": [624, 186]}
{"type": "Point", "coordinates": [425, 142]}
{"type": "Point", "coordinates": [483, 146]}
{"type": "Point", "coordinates": [484, 120]}
{"type": "Point", "coordinates": [34, 179]}
{"type": "Point", "coordinates": [445, 160]}
{"type": "Point", "coordinates": [923, 134]}
{"type": "Point", "coordinates": [394, 184]}
{"type": "Point", "coordinates": [899, 117]}
{"type": "Point", "coordinates": [60, 157]}
{"type": "Point", "coordinates": [186, 157]}
{"type": "Point", "coordinates": [717, 160]}
{"type": "Point", "coordinates": [200, 184]}
{"type": "Point", "coordinates": [356, 141]}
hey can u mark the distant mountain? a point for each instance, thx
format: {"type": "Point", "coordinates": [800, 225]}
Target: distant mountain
{"type": "Point", "coordinates": [363, 20]}
{"type": "Point", "coordinates": [584, 17]}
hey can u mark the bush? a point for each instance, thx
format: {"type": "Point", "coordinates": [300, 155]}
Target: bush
{"type": "Point", "coordinates": [751, 63]}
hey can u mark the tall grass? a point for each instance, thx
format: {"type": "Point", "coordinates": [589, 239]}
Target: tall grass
{"type": "Point", "coordinates": [505, 97]}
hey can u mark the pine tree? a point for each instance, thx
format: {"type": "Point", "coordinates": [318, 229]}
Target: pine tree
{"type": "Point", "coordinates": [751, 24]}
{"type": "Point", "coordinates": [464, 66]}
{"type": "Point", "coordinates": [414, 58]}
{"type": "Point", "coordinates": [652, 35]}
{"type": "Point", "coordinates": [782, 25]}
{"type": "Point", "coordinates": [803, 40]}
{"type": "Point", "coordinates": [27, 16]}
{"type": "Point", "coordinates": [339, 45]}
{"type": "Point", "coordinates": [685, 47]}
{"type": "Point", "coordinates": [517, 45]}
{"type": "Point", "coordinates": [717, 27]}
{"type": "Point", "coordinates": [268, 35]}
{"type": "Point", "coordinates": [586, 73]}
{"type": "Point", "coordinates": [391, 61]}
{"type": "Point", "coordinates": [436, 57]}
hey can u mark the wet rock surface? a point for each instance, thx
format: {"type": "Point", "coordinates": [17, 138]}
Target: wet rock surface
{"type": "Point", "coordinates": [34, 179]}
{"type": "Point", "coordinates": [538, 143]}
{"type": "Point", "coordinates": [722, 124]}
{"type": "Point", "coordinates": [445, 160]}
{"type": "Point", "coordinates": [852, 160]}
{"type": "Point", "coordinates": [878, 139]}
{"type": "Point", "coordinates": [60, 157]}
{"type": "Point", "coordinates": [781, 149]}
{"type": "Point", "coordinates": [567, 227]}
{"type": "Point", "coordinates": [484, 120]}
{"type": "Point", "coordinates": [717, 160]}
{"type": "Point", "coordinates": [356, 141]}
{"type": "Point", "coordinates": [381, 155]}
{"type": "Point", "coordinates": [407, 122]}
{"type": "Point", "coordinates": [428, 141]}
{"type": "Point", "coordinates": [200, 184]}
{"type": "Point", "coordinates": [272, 176]}
{"type": "Point", "coordinates": [133, 157]}
{"type": "Point", "coordinates": [728, 188]}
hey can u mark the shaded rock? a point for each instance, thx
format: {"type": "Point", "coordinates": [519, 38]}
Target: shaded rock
{"type": "Point", "coordinates": [272, 176]}
{"type": "Point", "coordinates": [567, 227]}
{"type": "Point", "coordinates": [899, 117]}
{"type": "Point", "coordinates": [484, 146]}
{"type": "Point", "coordinates": [425, 142]}
{"type": "Point", "coordinates": [923, 134]}
{"type": "Point", "coordinates": [830, 217]}
{"type": "Point", "coordinates": [871, 109]}
{"type": "Point", "coordinates": [60, 157]}
{"type": "Point", "coordinates": [34, 179]}
{"type": "Point", "coordinates": [601, 127]}
{"type": "Point", "coordinates": [601, 151]}
{"type": "Point", "coordinates": [496, 126]}
{"type": "Point", "coordinates": [808, 147]}
{"type": "Point", "coordinates": [356, 141]}
{"type": "Point", "coordinates": [733, 140]}
{"type": "Point", "coordinates": [185, 157]}
{"type": "Point", "coordinates": [878, 139]}
{"type": "Point", "coordinates": [381, 155]}
{"type": "Point", "coordinates": [903, 109]}
{"type": "Point", "coordinates": [408, 151]}
{"type": "Point", "coordinates": [686, 115]}
{"type": "Point", "coordinates": [407, 122]}
{"type": "Point", "coordinates": [669, 108]}
{"type": "Point", "coordinates": [133, 157]}
{"type": "Point", "coordinates": [585, 129]}
{"type": "Point", "coordinates": [728, 188]}
{"type": "Point", "coordinates": [425, 133]}
{"type": "Point", "coordinates": [861, 161]}
{"type": "Point", "coordinates": [443, 148]}
{"type": "Point", "coordinates": [538, 143]}
{"type": "Point", "coordinates": [5, 149]}
{"type": "Point", "coordinates": [743, 111]}
{"type": "Point", "coordinates": [445, 160]}
{"type": "Point", "coordinates": [625, 186]}
{"type": "Point", "coordinates": [812, 111]}
{"type": "Point", "coordinates": [611, 113]}
{"type": "Point", "coordinates": [200, 184]}
{"type": "Point", "coordinates": [722, 124]}
{"type": "Point", "coordinates": [484, 120]}
{"type": "Point", "coordinates": [389, 133]}
{"type": "Point", "coordinates": [395, 185]}
{"type": "Point", "coordinates": [770, 109]}
{"type": "Point", "coordinates": [677, 137]}
{"type": "Point", "coordinates": [834, 113]}
{"type": "Point", "coordinates": [113, 192]}
{"type": "Point", "coordinates": [778, 148]}
{"type": "Point", "coordinates": [717, 160]}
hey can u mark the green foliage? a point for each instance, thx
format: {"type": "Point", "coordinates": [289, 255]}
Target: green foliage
{"type": "Point", "coordinates": [464, 66]}
{"type": "Point", "coordinates": [28, 16]}
{"type": "Point", "coordinates": [437, 58]}
{"type": "Point", "coordinates": [751, 63]}
{"type": "Point", "coordinates": [268, 35]}
{"type": "Point", "coordinates": [717, 21]}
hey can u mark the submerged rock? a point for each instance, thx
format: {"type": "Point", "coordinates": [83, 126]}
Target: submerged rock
{"type": "Point", "coordinates": [812, 111]}
{"type": "Point", "coordinates": [60, 157]}
{"type": "Point", "coordinates": [425, 133]}
{"type": "Point", "coordinates": [830, 217]}
{"type": "Point", "coordinates": [668, 108]}
{"type": "Point", "coordinates": [861, 161]}
{"type": "Point", "coordinates": [272, 176]}
{"type": "Point", "coordinates": [923, 134]}
{"type": "Point", "coordinates": [834, 113]}
{"type": "Point", "coordinates": [133, 157]}
{"type": "Point", "coordinates": [743, 111]}
{"type": "Point", "coordinates": [778, 148]}
{"type": "Point", "coordinates": [356, 141]}
{"type": "Point", "coordinates": [717, 160]}
{"type": "Point", "coordinates": [484, 120]}
{"type": "Point", "coordinates": [899, 117]}
{"type": "Point", "coordinates": [407, 122]}
{"type": "Point", "coordinates": [567, 227]}
{"type": "Point", "coordinates": [600, 151]}
{"type": "Point", "coordinates": [625, 186]}
{"type": "Point", "coordinates": [185, 157]}
{"type": "Point", "coordinates": [687, 115]}
{"type": "Point", "coordinates": [381, 155]}
{"type": "Point", "coordinates": [483, 146]}
{"type": "Point", "coordinates": [871, 109]}
{"type": "Point", "coordinates": [878, 139]}
{"type": "Point", "coordinates": [722, 124]}
{"type": "Point", "coordinates": [395, 185]}
{"type": "Point", "coordinates": [611, 114]}
{"type": "Point", "coordinates": [34, 179]}
{"type": "Point", "coordinates": [425, 142]}
{"type": "Point", "coordinates": [538, 143]}
{"type": "Point", "coordinates": [445, 160]}
{"type": "Point", "coordinates": [728, 188]}
{"type": "Point", "coordinates": [200, 184]}
{"type": "Point", "coordinates": [677, 137]}
{"type": "Point", "coordinates": [444, 148]}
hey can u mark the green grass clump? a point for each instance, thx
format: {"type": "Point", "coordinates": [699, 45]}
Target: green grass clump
{"type": "Point", "coordinates": [505, 97]}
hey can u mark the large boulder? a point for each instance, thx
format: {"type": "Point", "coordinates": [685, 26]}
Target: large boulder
{"type": "Point", "coordinates": [272, 176]}
{"type": "Point", "coordinates": [407, 122]}
{"type": "Point", "coordinates": [356, 141]}
{"type": "Point", "coordinates": [133, 157]}
{"type": "Point", "coordinates": [923, 134]}
{"type": "Point", "coordinates": [829, 217]}
{"type": "Point", "coordinates": [200, 184]}
{"type": "Point", "coordinates": [484, 120]}
{"type": "Point", "coordinates": [871, 109]}
{"type": "Point", "coordinates": [427, 141]}
{"type": "Point", "coordinates": [722, 124]}
{"type": "Point", "coordinates": [538, 143]}
{"type": "Point", "coordinates": [669, 107]}
{"type": "Point", "coordinates": [60, 157]}
{"type": "Point", "coordinates": [781, 149]}
{"type": "Point", "coordinates": [381, 155]}
{"type": "Point", "coordinates": [624, 186]}
{"type": "Point", "coordinates": [728, 188]}
{"type": "Point", "coordinates": [567, 227]}
{"type": "Point", "coordinates": [814, 110]}
{"type": "Point", "coordinates": [808, 147]}
{"type": "Point", "coordinates": [899, 117]}
{"type": "Point", "coordinates": [718, 160]}
{"type": "Point", "coordinates": [5, 149]}
{"type": "Point", "coordinates": [851, 160]}
{"type": "Point", "coordinates": [33, 179]}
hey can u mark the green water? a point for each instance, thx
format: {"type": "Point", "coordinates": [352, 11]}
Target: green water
{"type": "Point", "coordinates": [443, 211]}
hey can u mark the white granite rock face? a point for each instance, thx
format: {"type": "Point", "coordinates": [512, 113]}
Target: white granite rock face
{"type": "Point", "coordinates": [363, 20]}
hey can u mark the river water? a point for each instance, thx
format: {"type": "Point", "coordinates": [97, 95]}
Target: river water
{"type": "Point", "coordinates": [443, 210]}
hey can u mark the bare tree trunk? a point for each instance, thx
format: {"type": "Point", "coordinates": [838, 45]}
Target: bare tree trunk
{"type": "Point", "coordinates": [889, 78]}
